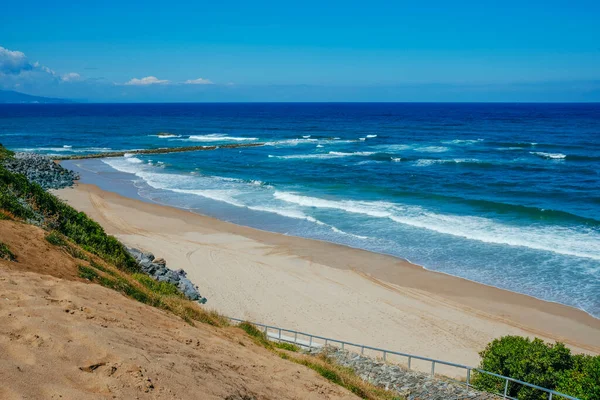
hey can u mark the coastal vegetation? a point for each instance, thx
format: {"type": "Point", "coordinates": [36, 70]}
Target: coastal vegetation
{"type": "Point", "coordinates": [551, 366]}
{"type": "Point", "coordinates": [30, 202]}
{"type": "Point", "coordinates": [321, 364]}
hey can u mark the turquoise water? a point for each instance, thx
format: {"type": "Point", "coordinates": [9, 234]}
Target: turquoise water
{"type": "Point", "coordinates": [503, 194]}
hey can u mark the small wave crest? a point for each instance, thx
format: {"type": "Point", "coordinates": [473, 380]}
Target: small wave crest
{"type": "Point", "coordinates": [217, 137]}
{"type": "Point", "coordinates": [550, 156]}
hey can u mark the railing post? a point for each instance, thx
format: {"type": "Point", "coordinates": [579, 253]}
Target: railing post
{"type": "Point", "coordinates": [409, 360]}
{"type": "Point", "coordinates": [384, 355]}
{"type": "Point", "coordinates": [295, 337]}
{"type": "Point", "coordinates": [432, 368]}
{"type": "Point", "coordinates": [550, 397]}
{"type": "Point", "coordinates": [468, 377]}
{"type": "Point", "coordinates": [279, 333]}
{"type": "Point", "coordinates": [342, 345]}
{"type": "Point", "coordinates": [506, 388]}
{"type": "Point", "coordinates": [310, 343]}
{"type": "Point", "coordinates": [362, 350]}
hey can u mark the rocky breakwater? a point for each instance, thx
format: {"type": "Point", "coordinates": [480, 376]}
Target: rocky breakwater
{"type": "Point", "coordinates": [413, 385]}
{"type": "Point", "coordinates": [41, 170]}
{"type": "Point", "coordinates": [157, 268]}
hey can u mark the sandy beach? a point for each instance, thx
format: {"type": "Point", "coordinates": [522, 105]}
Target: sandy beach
{"type": "Point", "coordinates": [332, 290]}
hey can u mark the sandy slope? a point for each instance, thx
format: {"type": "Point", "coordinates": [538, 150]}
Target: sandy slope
{"type": "Point", "coordinates": [65, 339]}
{"type": "Point", "coordinates": [333, 290]}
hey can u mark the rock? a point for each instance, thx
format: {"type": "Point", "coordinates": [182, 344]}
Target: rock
{"type": "Point", "coordinates": [409, 383]}
{"type": "Point", "coordinates": [156, 268]}
{"type": "Point", "coordinates": [41, 170]}
{"type": "Point", "coordinates": [147, 256]}
{"type": "Point", "coordinates": [160, 261]}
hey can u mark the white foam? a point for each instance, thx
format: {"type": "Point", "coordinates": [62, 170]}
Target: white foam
{"type": "Point", "coordinates": [319, 145]}
{"type": "Point", "coordinates": [561, 240]}
{"type": "Point", "coordinates": [362, 139]}
{"type": "Point", "coordinates": [306, 136]}
{"type": "Point", "coordinates": [66, 146]}
{"type": "Point", "coordinates": [431, 149]}
{"type": "Point", "coordinates": [552, 156]}
{"type": "Point", "coordinates": [396, 159]}
{"type": "Point", "coordinates": [371, 136]}
{"type": "Point", "coordinates": [462, 141]}
{"type": "Point", "coordinates": [428, 162]}
{"type": "Point", "coordinates": [218, 137]}
{"type": "Point", "coordinates": [331, 154]}
{"type": "Point", "coordinates": [167, 136]}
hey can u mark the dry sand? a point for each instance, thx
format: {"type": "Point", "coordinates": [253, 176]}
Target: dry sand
{"type": "Point", "coordinates": [63, 339]}
{"type": "Point", "coordinates": [333, 290]}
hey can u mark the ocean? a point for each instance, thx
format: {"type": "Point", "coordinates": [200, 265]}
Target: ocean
{"type": "Point", "coordinates": [503, 194]}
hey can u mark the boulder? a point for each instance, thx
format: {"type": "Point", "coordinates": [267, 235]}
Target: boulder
{"type": "Point", "coordinates": [160, 261]}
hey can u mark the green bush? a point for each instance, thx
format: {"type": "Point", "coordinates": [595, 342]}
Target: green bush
{"type": "Point", "coordinates": [583, 380]}
{"type": "Point", "coordinates": [551, 366]}
{"type": "Point", "coordinates": [55, 239]}
{"type": "Point", "coordinates": [29, 201]}
{"type": "Point", "coordinates": [5, 153]}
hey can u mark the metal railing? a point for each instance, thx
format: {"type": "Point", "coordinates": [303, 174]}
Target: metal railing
{"type": "Point", "coordinates": [308, 340]}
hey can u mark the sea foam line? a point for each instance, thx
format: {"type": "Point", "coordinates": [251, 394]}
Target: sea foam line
{"type": "Point", "coordinates": [561, 240]}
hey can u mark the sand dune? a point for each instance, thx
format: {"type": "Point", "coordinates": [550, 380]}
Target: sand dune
{"type": "Point", "coordinates": [63, 338]}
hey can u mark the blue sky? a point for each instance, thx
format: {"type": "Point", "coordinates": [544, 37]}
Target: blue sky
{"type": "Point", "coordinates": [310, 50]}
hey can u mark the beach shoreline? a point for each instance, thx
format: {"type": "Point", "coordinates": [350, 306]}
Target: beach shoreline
{"type": "Point", "coordinates": [330, 289]}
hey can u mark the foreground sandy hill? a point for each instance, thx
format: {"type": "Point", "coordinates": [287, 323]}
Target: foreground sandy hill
{"type": "Point", "coordinates": [63, 338]}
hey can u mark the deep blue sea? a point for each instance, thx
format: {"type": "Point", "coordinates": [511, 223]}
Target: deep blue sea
{"type": "Point", "coordinates": [503, 194]}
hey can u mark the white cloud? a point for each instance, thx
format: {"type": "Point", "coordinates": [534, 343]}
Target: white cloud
{"type": "Point", "coordinates": [71, 77]}
{"type": "Point", "coordinates": [199, 81]}
{"type": "Point", "coordinates": [149, 80]}
{"type": "Point", "coordinates": [13, 62]}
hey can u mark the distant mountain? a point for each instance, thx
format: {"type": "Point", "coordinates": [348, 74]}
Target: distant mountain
{"type": "Point", "coordinates": [10, 96]}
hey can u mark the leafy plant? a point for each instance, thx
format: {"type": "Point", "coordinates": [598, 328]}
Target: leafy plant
{"type": "Point", "coordinates": [583, 380]}
{"type": "Point", "coordinates": [551, 366]}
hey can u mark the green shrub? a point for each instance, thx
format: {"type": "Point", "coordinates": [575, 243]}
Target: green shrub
{"type": "Point", "coordinates": [551, 366]}
{"type": "Point", "coordinates": [56, 239]}
{"type": "Point", "coordinates": [5, 153]}
{"type": "Point", "coordinates": [583, 380]}
{"type": "Point", "coordinates": [28, 201]}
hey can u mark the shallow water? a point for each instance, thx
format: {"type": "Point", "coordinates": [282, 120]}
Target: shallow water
{"type": "Point", "coordinates": [504, 194]}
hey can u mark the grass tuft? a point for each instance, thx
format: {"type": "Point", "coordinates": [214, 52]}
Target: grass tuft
{"type": "Point", "coordinates": [287, 346]}
{"type": "Point", "coordinates": [57, 239]}
{"type": "Point", "coordinates": [6, 254]}
{"type": "Point", "coordinates": [87, 273]}
{"type": "Point", "coordinates": [163, 288]}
